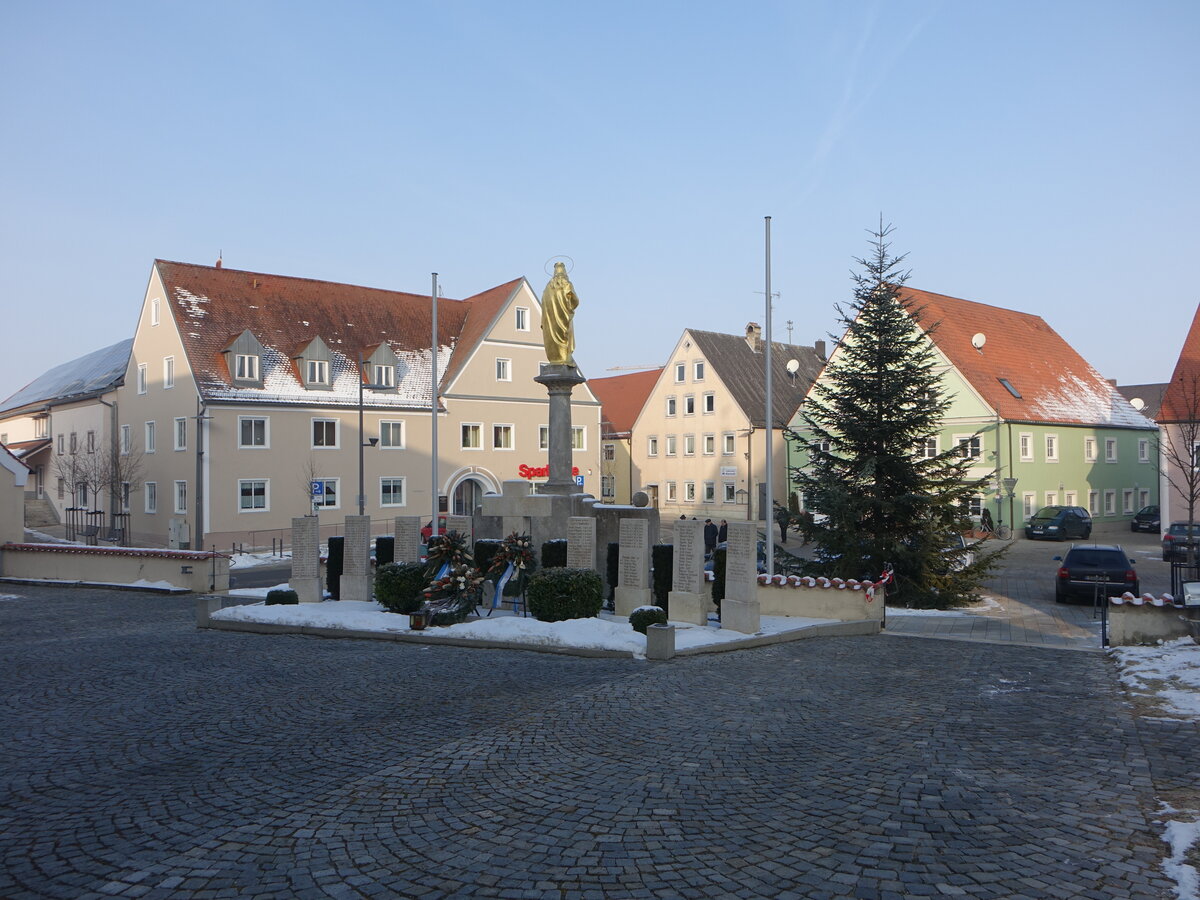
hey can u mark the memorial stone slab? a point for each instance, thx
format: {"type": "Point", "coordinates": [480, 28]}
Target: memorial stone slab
{"type": "Point", "coordinates": [740, 608]}
{"type": "Point", "coordinates": [306, 559]}
{"type": "Point", "coordinates": [687, 564]}
{"type": "Point", "coordinates": [633, 567]}
{"type": "Point", "coordinates": [581, 542]}
{"type": "Point", "coordinates": [408, 539]}
{"type": "Point", "coordinates": [461, 524]}
{"type": "Point", "coordinates": [356, 562]}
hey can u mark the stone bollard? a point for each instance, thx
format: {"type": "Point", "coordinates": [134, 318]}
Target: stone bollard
{"type": "Point", "coordinates": [660, 642]}
{"type": "Point", "coordinates": [206, 605]}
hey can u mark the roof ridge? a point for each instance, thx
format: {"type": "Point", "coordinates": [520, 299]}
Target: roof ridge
{"type": "Point", "coordinates": [1005, 309]}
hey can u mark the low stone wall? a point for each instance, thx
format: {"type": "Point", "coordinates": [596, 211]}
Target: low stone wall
{"type": "Point", "coordinates": [820, 598]}
{"type": "Point", "coordinates": [183, 570]}
{"type": "Point", "coordinates": [1145, 619]}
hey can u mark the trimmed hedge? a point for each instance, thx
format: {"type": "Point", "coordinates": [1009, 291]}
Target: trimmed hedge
{"type": "Point", "coordinates": [398, 586]}
{"type": "Point", "coordinates": [554, 554]}
{"type": "Point", "coordinates": [333, 566]}
{"type": "Point", "coordinates": [554, 595]}
{"type": "Point", "coordinates": [282, 597]}
{"type": "Point", "coordinates": [662, 559]}
{"type": "Point", "coordinates": [385, 550]}
{"type": "Point", "coordinates": [645, 616]}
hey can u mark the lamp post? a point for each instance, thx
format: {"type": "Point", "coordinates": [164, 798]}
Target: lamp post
{"type": "Point", "coordinates": [1010, 486]}
{"type": "Point", "coordinates": [370, 442]}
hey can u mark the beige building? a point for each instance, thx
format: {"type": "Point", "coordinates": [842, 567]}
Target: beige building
{"type": "Point", "coordinates": [698, 446]}
{"type": "Point", "coordinates": [13, 477]}
{"type": "Point", "coordinates": [243, 391]}
{"type": "Point", "coordinates": [1179, 437]}
{"type": "Point", "coordinates": [621, 399]}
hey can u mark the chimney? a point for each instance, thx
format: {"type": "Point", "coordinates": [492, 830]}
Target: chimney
{"type": "Point", "coordinates": [754, 336]}
{"type": "Point", "coordinates": [219, 260]}
{"type": "Point", "coordinates": [819, 346]}
{"type": "Point", "coordinates": [1111, 381]}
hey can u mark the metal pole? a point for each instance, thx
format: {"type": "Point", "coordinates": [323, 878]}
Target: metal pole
{"type": "Point", "coordinates": [770, 419]}
{"type": "Point", "coordinates": [198, 537]}
{"type": "Point", "coordinates": [433, 408]}
{"type": "Point", "coordinates": [362, 488]}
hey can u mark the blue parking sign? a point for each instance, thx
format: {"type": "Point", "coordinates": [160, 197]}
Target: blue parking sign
{"type": "Point", "coordinates": [318, 488]}
{"type": "Point", "coordinates": [579, 480]}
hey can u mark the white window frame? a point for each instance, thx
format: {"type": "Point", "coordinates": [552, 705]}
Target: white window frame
{"type": "Point", "coordinates": [730, 492]}
{"type": "Point", "coordinates": [1094, 503]}
{"type": "Point", "coordinates": [1029, 503]}
{"type": "Point", "coordinates": [90, 441]}
{"type": "Point", "coordinates": [504, 428]}
{"type": "Point", "coordinates": [689, 492]}
{"type": "Point", "coordinates": [928, 448]}
{"type": "Point", "coordinates": [728, 443]}
{"type": "Point", "coordinates": [1051, 444]}
{"type": "Point", "coordinates": [179, 433]}
{"type": "Point", "coordinates": [689, 445]}
{"type": "Point", "coordinates": [1143, 497]}
{"type": "Point", "coordinates": [149, 497]}
{"type": "Point", "coordinates": [680, 373]}
{"type": "Point", "coordinates": [608, 485]}
{"type": "Point", "coordinates": [470, 436]}
{"type": "Point", "coordinates": [61, 441]}
{"type": "Point", "coordinates": [709, 404]}
{"type": "Point", "coordinates": [971, 443]}
{"type": "Point", "coordinates": [709, 493]}
{"type": "Point", "coordinates": [670, 493]}
{"type": "Point", "coordinates": [266, 495]}
{"type": "Point", "coordinates": [1110, 450]}
{"type": "Point", "coordinates": [143, 378]}
{"type": "Point", "coordinates": [1127, 498]}
{"type": "Point", "coordinates": [689, 405]}
{"type": "Point", "coordinates": [155, 315]}
{"type": "Point", "coordinates": [387, 426]}
{"type": "Point", "coordinates": [168, 372]}
{"type": "Point", "coordinates": [672, 447]}
{"type": "Point", "coordinates": [608, 451]}
{"type": "Point", "coordinates": [698, 370]}
{"type": "Point", "coordinates": [1110, 502]}
{"type": "Point", "coordinates": [337, 433]}
{"type": "Point", "coordinates": [385, 376]}
{"type": "Point", "coordinates": [180, 497]}
{"type": "Point", "coordinates": [1070, 498]}
{"type": "Point", "coordinates": [672, 406]}
{"type": "Point", "coordinates": [1025, 444]}
{"type": "Point", "coordinates": [126, 440]}
{"type": "Point", "coordinates": [1143, 450]}
{"type": "Point", "coordinates": [317, 371]}
{"type": "Point", "coordinates": [503, 368]}
{"type": "Point", "coordinates": [337, 493]}
{"type": "Point", "coordinates": [1051, 498]}
{"type": "Point", "coordinates": [245, 367]}
{"type": "Point", "coordinates": [578, 437]}
{"type": "Point", "coordinates": [543, 437]}
{"type": "Point", "coordinates": [708, 445]}
{"type": "Point", "coordinates": [521, 318]}
{"type": "Point", "coordinates": [403, 491]}
{"type": "Point", "coordinates": [652, 445]}
{"type": "Point", "coordinates": [266, 444]}
{"type": "Point", "coordinates": [1090, 450]}
{"type": "Point", "coordinates": [151, 434]}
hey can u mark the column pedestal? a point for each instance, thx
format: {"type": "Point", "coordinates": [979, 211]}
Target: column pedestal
{"type": "Point", "coordinates": [560, 381]}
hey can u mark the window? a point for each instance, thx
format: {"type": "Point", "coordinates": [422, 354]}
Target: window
{"type": "Point", "coordinates": [502, 437]}
{"type": "Point", "coordinates": [141, 378]}
{"type": "Point", "coordinates": [325, 433]}
{"type": "Point", "coordinates": [709, 404]}
{"type": "Point", "coordinates": [391, 435]}
{"type": "Point", "coordinates": [1089, 449]}
{"type": "Point", "coordinates": [62, 487]}
{"type": "Point", "coordinates": [81, 495]}
{"type": "Point", "coordinates": [974, 506]}
{"type": "Point", "coordinates": [1070, 498]}
{"type": "Point", "coordinates": [608, 486]}
{"type": "Point", "coordinates": [252, 494]}
{"type": "Point", "coordinates": [252, 431]}
{"type": "Point", "coordinates": [1127, 501]}
{"type": "Point", "coordinates": [1094, 502]}
{"type": "Point", "coordinates": [1051, 498]}
{"type": "Point", "coordinates": [1026, 447]}
{"type": "Point", "coordinates": [578, 439]}
{"type": "Point", "coordinates": [680, 372]}
{"type": "Point", "coordinates": [698, 370]}
{"type": "Point", "coordinates": [652, 446]}
{"type": "Point", "coordinates": [671, 495]}
{"type": "Point", "coordinates": [689, 445]}
{"type": "Point", "coordinates": [727, 444]}
{"type": "Point", "coordinates": [91, 442]}
{"type": "Point", "coordinates": [246, 367]}
{"type": "Point", "coordinates": [543, 437]}
{"type": "Point", "coordinates": [74, 443]}
{"type": "Point", "coordinates": [471, 436]}
{"type": "Point", "coordinates": [710, 444]}
{"type": "Point", "coordinates": [522, 318]}
{"type": "Point", "coordinates": [689, 492]}
{"type": "Point", "coordinates": [710, 492]}
{"type": "Point", "coordinates": [126, 491]}
{"type": "Point", "coordinates": [670, 406]}
{"type": "Point", "coordinates": [41, 428]}
{"type": "Point", "coordinates": [927, 449]}
{"type": "Point", "coordinates": [126, 439]}
{"type": "Point", "coordinates": [168, 372]}
{"type": "Point", "coordinates": [1143, 498]}
{"type": "Point", "coordinates": [181, 434]}
{"type": "Point", "coordinates": [1110, 449]}
{"type": "Point", "coordinates": [670, 445]}
{"type": "Point", "coordinates": [730, 495]}
{"type": "Point", "coordinates": [318, 371]}
{"type": "Point", "coordinates": [1029, 503]}
{"type": "Point", "coordinates": [150, 491]}
{"type": "Point", "coordinates": [385, 377]}
{"type": "Point", "coordinates": [609, 452]}
{"type": "Point", "coordinates": [150, 437]}
{"type": "Point", "coordinates": [60, 445]}
{"type": "Point", "coordinates": [391, 491]}
{"type": "Point", "coordinates": [1110, 503]}
{"type": "Point", "coordinates": [181, 496]}
{"type": "Point", "coordinates": [1052, 448]}
{"type": "Point", "coordinates": [1143, 450]}
{"type": "Point", "coordinates": [328, 495]}
{"type": "Point", "coordinates": [689, 405]}
{"type": "Point", "coordinates": [154, 311]}
{"type": "Point", "coordinates": [503, 369]}
{"type": "Point", "coordinates": [969, 446]}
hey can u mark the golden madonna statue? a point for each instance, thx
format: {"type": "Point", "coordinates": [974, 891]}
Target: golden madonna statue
{"type": "Point", "coordinates": [558, 314]}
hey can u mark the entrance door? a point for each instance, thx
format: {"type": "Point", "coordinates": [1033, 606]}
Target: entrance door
{"type": "Point", "coordinates": [467, 496]}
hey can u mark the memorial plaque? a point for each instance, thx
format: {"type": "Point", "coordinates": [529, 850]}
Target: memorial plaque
{"type": "Point", "coordinates": [633, 557]}
{"type": "Point", "coordinates": [688, 556]}
{"type": "Point", "coordinates": [305, 579]}
{"type": "Point", "coordinates": [357, 559]}
{"type": "Point", "coordinates": [741, 568]}
{"type": "Point", "coordinates": [461, 524]}
{"type": "Point", "coordinates": [581, 542]}
{"type": "Point", "coordinates": [408, 539]}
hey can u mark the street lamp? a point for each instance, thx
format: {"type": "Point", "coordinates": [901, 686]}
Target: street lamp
{"type": "Point", "coordinates": [1010, 486]}
{"type": "Point", "coordinates": [369, 442]}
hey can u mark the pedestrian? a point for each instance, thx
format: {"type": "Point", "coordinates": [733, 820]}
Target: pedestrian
{"type": "Point", "coordinates": [784, 519]}
{"type": "Point", "coordinates": [985, 520]}
{"type": "Point", "coordinates": [723, 532]}
{"type": "Point", "coordinates": [710, 537]}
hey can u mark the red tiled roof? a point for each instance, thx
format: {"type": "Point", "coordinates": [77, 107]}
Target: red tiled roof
{"type": "Point", "coordinates": [1180, 399]}
{"type": "Point", "coordinates": [1055, 383]}
{"type": "Point", "coordinates": [481, 314]}
{"type": "Point", "coordinates": [621, 399]}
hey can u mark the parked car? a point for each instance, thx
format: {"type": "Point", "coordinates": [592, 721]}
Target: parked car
{"type": "Point", "coordinates": [1175, 540]}
{"type": "Point", "coordinates": [1058, 523]}
{"type": "Point", "coordinates": [958, 554]}
{"type": "Point", "coordinates": [1146, 519]}
{"type": "Point", "coordinates": [427, 529]}
{"type": "Point", "coordinates": [1087, 566]}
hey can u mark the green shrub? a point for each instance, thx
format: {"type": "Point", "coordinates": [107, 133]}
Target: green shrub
{"type": "Point", "coordinates": [557, 594]}
{"type": "Point", "coordinates": [333, 566]}
{"type": "Point", "coordinates": [645, 616]}
{"type": "Point", "coordinates": [662, 559]}
{"type": "Point", "coordinates": [554, 554]}
{"type": "Point", "coordinates": [281, 597]}
{"type": "Point", "coordinates": [398, 586]}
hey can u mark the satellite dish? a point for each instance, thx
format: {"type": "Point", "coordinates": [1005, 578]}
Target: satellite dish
{"type": "Point", "coordinates": [1138, 403]}
{"type": "Point", "coordinates": [978, 340]}
{"type": "Point", "coordinates": [793, 366]}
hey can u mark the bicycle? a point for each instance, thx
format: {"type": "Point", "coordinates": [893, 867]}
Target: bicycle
{"type": "Point", "coordinates": [1002, 532]}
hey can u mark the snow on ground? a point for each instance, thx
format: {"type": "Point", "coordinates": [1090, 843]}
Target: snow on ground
{"type": "Point", "coordinates": [250, 560]}
{"type": "Point", "coordinates": [1181, 836]}
{"type": "Point", "coordinates": [984, 605]}
{"type": "Point", "coordinates": [1170, 670]}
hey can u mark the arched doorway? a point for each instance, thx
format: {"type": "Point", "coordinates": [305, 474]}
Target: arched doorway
{"type": "Point", "coordinates": [467, 495]}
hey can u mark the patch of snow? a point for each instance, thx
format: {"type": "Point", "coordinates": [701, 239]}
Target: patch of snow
{"type": "Point", "coordinates": [259, 593]}
{"type": "Point", "coordinates": [44, 538]}
{"type": "Point", "coordinates": [250, 560]}
{"type": "Point", "coordinates": [1170, 669]}
{"type": "Point", "coordinates": [11, 597]}
{"type": "Point", "coordinates": [192, 303]}
{"type": "Point", "coordinates": [1181, 837]}
{"type": "Point", "coordinates": [1094, 401]}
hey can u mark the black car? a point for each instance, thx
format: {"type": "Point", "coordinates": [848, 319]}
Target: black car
{"type": "Point", "coordinates": [1058, 523]}
{"type": "Point", "coordinates": [1088, 566]}
{"type": "Point", "coordinates": [1146, 519]}
{"type": "Point", "coordinates": [1176, 542]}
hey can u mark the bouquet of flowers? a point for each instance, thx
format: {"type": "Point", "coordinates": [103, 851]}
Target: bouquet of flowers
{"type": "Point", "coordinates": [450, 548]}
{"type": "Point", "coordinates": [517, 551]}
{"type": "Point", "coordinates": [453, 597]}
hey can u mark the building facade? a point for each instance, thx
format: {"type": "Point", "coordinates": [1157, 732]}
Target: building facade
{"type": "Point", "coordinates": [621, 400]}
{"type": "Point", "coordinates": [1179, 438]}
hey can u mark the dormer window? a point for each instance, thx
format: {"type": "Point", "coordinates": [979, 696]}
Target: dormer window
{"type": "Point", "coordinates": [244, 357]}
{"type": "Point", "coordinates": [246, 368]}
{"type": "Point", "coordinates": [385, 376]}
{"type": "Point", "coordinates": [318, 371]}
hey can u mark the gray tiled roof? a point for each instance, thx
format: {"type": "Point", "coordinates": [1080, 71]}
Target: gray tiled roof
{"type": "Point", "coordinates": [98, 371]}
{"type": "Point", "coordinates": [1150, 394]}
{"type": "Point", "coordinates": [742, 371]}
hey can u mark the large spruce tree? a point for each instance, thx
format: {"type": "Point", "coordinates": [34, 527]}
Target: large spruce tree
{"type": "Point", "coordinates": [867, 420]}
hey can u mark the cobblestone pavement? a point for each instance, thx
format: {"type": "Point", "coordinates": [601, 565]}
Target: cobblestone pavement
{"type": "Point", "coordinates": [143, 758]}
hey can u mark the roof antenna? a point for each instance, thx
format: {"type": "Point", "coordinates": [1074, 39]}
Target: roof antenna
{"type": "Point", "coordinates": [220, 257]}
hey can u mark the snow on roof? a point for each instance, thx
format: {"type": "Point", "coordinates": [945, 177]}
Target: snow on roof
{"type": "Point", "coordinates": [98, 371]}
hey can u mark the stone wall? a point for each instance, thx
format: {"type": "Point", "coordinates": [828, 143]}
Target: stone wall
{"type": "Point", "coordinates": [139, 567]}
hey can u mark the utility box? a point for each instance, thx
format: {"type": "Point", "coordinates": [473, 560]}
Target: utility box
{"type": "Point", "coordinates": [1191, 595]}
{"type": "Point", "coordinates": [179, 534]}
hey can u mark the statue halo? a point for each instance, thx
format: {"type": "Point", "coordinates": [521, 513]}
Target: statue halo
{"type": "Point", "coordinates": [548, 268]}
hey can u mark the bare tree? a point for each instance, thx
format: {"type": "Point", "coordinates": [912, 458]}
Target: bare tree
{"type": "Point", "coordinates": [1179, 442]}
{"type": "Point", "coordinates": [83, 474]}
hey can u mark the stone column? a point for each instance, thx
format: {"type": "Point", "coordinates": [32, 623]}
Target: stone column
{"type": "Point", "coordinates": [633, 568]}
{"type": "Point", "coordinates": [581, 542]}
{"type": "Point", "coordinates": [686, 599]}
{"type": "Point", "coordinates": [740, 610]}
{"type": "Point", "coordinates": [408, 539]}
{"type": "Point", "coordinates": [306, 560]}
{"type": "Point", "coordinates": [356, 561]}
{"type": "Point", "coordinates": [559, 382]}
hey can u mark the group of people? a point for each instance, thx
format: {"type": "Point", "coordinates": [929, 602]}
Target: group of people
{"type": "Point", "coordinates": [713, 534]}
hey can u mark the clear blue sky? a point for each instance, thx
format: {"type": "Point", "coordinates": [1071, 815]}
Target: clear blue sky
{"type": "Point", "coordinates": [1032, 155]}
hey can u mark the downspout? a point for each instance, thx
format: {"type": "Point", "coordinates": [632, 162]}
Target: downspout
{"type": "Point", "coordinates": [999, 473]}
{"type": "Point", "coordinates": [751, 487]}
{"type": "Point", "coordinates": [198, 538]}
